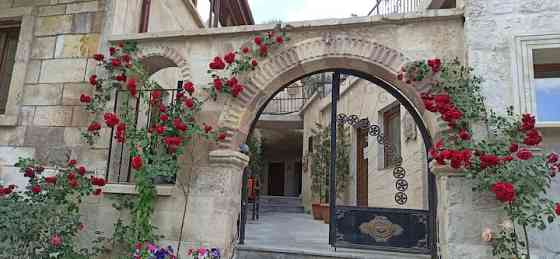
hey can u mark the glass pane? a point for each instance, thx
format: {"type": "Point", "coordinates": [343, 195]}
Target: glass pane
{"type": "Point", "coordinates": [548, 94]}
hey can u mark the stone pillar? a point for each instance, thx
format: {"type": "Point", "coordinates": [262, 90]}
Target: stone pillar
{"type": "Point", "coordinates": [462, 216]}
{"type": "Point", "coordinates": [214, 203]}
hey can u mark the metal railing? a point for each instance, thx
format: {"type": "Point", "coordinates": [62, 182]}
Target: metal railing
{"type": "Point", "coordinates": [388, 7]}
{"type": "Point", "coordinates": [119, 159]}
{"type": "Point", "coordinates": [287, 101]}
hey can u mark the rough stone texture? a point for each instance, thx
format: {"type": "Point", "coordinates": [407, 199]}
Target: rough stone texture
{"type": "Point", "coordinates": [72, 46]}
{"type": "Point", "coordinates": [10, 154]}
{"type": "Point", "coordinates": [74, 70]}
{"type": "Point", "coordinates": [42, 94]}
{"type": "Point", "coordinates": [12, 136]}
{"type": "Point", "coordinates": [52, 10]}
{"type": "Point", "coordinates": [20, 3]}
{"type": "Point", "coordinates": [33, 71]}
{"type": "Point", "coordinates": [73, 91]}
{"type": "Point", "coordinates": [82, 7]}
{"type": "Point", "coordinates": [53, 116]}
{"type": "Point", "coordinates": [52, 25]}
{"type": "Point", "coordinates": [84, 23]}
{"type": "Point", "coordinates": [43, 47]}
{"type": "Point", "coordinates": [6, 3]}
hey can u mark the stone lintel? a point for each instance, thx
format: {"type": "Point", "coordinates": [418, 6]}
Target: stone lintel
{"type": "Point", "coordinates": [226, 156]}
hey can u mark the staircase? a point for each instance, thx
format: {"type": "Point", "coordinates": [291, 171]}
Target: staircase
{"type": "Point", "coordinates": [280, 204]}
{"type": "Point", "coordinates": [252, 252]}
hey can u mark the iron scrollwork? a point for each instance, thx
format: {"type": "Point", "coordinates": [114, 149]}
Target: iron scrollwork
{"type": "Point", "coordinates": [374, 130]}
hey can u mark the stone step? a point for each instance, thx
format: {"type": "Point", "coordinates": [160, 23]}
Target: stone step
{"type": "Point", "coordinates": [281, 208]}
{"type": "Point", "coordinates": [296, 201]}
{"type": "Point", "coordinates": [260, 252]}
{"type": "Point", "coordinates": [280, 204]}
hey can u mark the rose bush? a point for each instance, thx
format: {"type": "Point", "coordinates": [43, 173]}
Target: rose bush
{"type": "Point", "coordinates": [506, 162]}
{"type": "Point", "coordinates": [42, 219]}
{"type": "Point", "coordinates": [173, 126]}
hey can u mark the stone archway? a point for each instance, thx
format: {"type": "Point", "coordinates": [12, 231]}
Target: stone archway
{"type": "Point", "coordinates": [159, 57]}
{"type": "Point", "coordinates": [309, 56]}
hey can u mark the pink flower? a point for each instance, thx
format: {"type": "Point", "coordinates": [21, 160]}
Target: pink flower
{"type": "Point", "coordinates": [486, 235]}
{"type": "Point", "coordinates": [56, 240]}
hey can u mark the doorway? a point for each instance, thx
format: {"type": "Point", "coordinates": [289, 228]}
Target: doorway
{"type": "Point", "coordinates": [276, 176]}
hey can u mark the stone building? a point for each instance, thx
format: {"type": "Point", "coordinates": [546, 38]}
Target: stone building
{"type": "Point", "coordinates": [46, 48]}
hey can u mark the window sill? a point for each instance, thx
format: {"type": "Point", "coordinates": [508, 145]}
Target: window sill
{"type": "Point", "coordinates": [161, 190]}
{"type": "Point", "coordinates": [8, 120]}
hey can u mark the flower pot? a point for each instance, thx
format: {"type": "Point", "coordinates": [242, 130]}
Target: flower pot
{"type": "Point", "coordinates": [325, 212]}
{"type": "Point", "coordinates": [316, 211]}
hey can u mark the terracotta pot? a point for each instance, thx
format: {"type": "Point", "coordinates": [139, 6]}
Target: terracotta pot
{"type": "Point", "coordinates": [325, 212]}
{"type": "Point", "coordinates": [316, 210]}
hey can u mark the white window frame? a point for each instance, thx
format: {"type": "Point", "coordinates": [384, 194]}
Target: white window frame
{"type": "Point", "coordinates": [524, 74]}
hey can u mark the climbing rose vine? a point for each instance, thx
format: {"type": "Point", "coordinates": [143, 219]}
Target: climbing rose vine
{"type": "Point", "coordinates": [172, 125]}
{"type": "Point", "coordinates": [507, 162]}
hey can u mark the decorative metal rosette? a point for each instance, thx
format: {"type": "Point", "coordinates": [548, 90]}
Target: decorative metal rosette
{"type": "Point", "coordinates": [401, 185]}
{"type": "Point", "coordinates": [399, 172]}
{"type": "Point", "coordinates": [401, 198]}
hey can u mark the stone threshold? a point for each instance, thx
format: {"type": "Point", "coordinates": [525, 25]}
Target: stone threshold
{"type": "Point", "coordinates": [251, 251]}
{"type": "Point", "coordinates": [162, 190]}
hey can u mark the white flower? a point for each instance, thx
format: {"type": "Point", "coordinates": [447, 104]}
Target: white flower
{"type": "Point", "coordinates": [507, 225]}
{"type": "Point", "coordinates": [487, 235]}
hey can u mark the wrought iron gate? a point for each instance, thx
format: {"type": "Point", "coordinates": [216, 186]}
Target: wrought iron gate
{"type": "Point", "coordinates": [399, 230]}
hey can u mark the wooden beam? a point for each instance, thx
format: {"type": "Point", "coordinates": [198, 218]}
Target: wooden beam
{"type": "Point", "coordinates": [547, 70]}
{"type": "Point", "coordinates": [145, 15]}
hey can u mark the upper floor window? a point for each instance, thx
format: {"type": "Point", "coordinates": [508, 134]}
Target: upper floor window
{"type": "Point", "coordinates": [392, 133]}
{"type": "Point", "coordinates": [9, 34]}
{"type": "Point", "coordinates": [546, 67]}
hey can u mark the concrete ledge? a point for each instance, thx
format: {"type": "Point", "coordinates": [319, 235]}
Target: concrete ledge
{"type": "Point", "coordinates": [162, 190]}
{"type": "Point", "coordinates": [298, 26]}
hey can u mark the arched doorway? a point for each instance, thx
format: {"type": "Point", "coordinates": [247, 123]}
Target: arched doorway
{"type": "Point", "coordinates": [412, 230]}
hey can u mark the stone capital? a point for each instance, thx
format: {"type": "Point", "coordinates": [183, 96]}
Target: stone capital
{"type": "Point", "coordinates": [222, 157]}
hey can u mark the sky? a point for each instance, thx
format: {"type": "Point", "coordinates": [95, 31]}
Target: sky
{"type": "Point", "coordinates": [299, 10]}
{"type": "Point", "coordinates": [548, 94]}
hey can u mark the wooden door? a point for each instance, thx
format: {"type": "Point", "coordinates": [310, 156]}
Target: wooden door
{"type": "Point", "coordinates": [362, 168]}
{"type": "Point", "coordinates": [276, 179]}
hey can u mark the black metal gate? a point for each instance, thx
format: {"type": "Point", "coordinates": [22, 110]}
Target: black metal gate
{"type": "Point", "coordinates": [388, 229]}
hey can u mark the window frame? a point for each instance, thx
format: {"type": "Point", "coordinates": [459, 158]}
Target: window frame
{"type": "Point", "coordinates": [24, 15]}
{"type": "Point", "coordinates": [524, 75]}
{"type": "Point", "coordinates": [391, 112]}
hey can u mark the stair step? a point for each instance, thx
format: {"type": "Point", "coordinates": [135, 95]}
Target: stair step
{"type": "Point", "coordinates": [259, 252]}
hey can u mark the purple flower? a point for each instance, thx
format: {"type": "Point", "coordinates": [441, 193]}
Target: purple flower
{"type": "Point", "coordinates": [215, 253]}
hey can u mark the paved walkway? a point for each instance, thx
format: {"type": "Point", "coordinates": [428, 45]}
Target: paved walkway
{"type": "Point", "coordinates": [287, 230]}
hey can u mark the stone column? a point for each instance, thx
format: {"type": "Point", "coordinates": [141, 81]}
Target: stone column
{"type": "Point", "coordinates": [462, 216]}
{"type": "Point", "coordinates": [214, 203]}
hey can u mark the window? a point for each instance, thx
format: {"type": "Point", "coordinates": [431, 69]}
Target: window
{"type": "Point", "coordinates": [392, 133]}
{"type": "Point", "coordinates": [546, 67]}
{"type": "Point", "coordinates": [310, 144]}
{"type": "Point", "coordinates": [9, 34]}
{"type": "Point", "coordinates": [536, 71]}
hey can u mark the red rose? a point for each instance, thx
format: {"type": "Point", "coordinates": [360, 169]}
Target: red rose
{"type": "Point", "coordinates": [189, 103]}
{"type": "Point", "coordinates": [230, 57]}
{"type": "Point", "coordinates": [513, 148]}
{"type": "Point", "coordinates": [131, 85]}
{"type": "Point", "coordinates": [94, 126]}
{"type": "Point", "coordinates": [137, 162]}
{"type": "Point", "coordinates": [222, 136]}
{"type": "Point", "coordinates": [115, 62]}
{"type": "Point", "coordinates": [99, 57]}
{"type": "Point", "coordinates": [452, 114]}
{"type": "Point", "coordinates": [164, 117]}
{"type": "Point", "coordinates": [258, 40]}
{"type": "Point", "coordinates": [189, 87]}
{"type": "Point", "coordinates": [93, 80]}
{"type": "Point", "coordinates": [232, 82]}
{"type": "Point", "coordinates": [207, 128]}
{"type": "Point", "coordinates": [120, 134]}
{"type": "Point", "coordinates": [532, 138]}
{"type": "Point", "coordinates": [29, 172]}
{"type": "Point", "coordinates": [97, 192]}
{"type": "Point", "coordinates": [111, 119]}
{"type": "Point", "coordinates": [279, 39]}
{"type": "Point", "coordinates": [237, 89]}
{"type": "Point", "coordinates": [85, 98]}
{"type": "Point", "coordinates": [72, 162]}
{"type": "Point", "coordinates": [527, 122]}
{"type": "Point", "coordinates": [160, 129]}
{"type": "Point", "coordinates": [218, 84]}
{"type": "Point", "coordinates": [505, 192]}
{"type": "Point", "coordinates": [435, 64]}
{"type": "Point", "coordinates": [71, 176]}
{"type": "Point", "coordinates": [442, 99]}
{"type": "Point", "coordinates": [97, 181]}
{"type": "Point", "coordinates": [82, 170]}
{"type": "Point", "coordinates": [126, 58]}
{"type": "Point", "coordinates": [245, 50]}
{"type": "Point", "coordinates": [162, 108]}
{"type": "Point", "coordinates": [488, 160]}
{"type": "Point", "coordinates": [112, 51]}
{"type": "Point", "coordinates": [263, 50]}
{"type": "Point", "coordinates": [121, 78]}
{"type": "Point", "coordinates": [464, 134]}
{"type": "Point", "coordinates": [50, 179]}
{"type": "Point", "coordinates": [507, 159]}
{"type": "Point", "coordinates": [557, 210]}
{"type": "Point", "coordinates": [56, 240]}
{"type": "Point", "coordinates": [524, 154]}
{"type": "Point", "coordinates": [446, 154]}
{"type": "Point", "coordinates": [254, 62]}
{"type": "Point", "coordinates": [217, 63]}
{"type": "Point", "coordinates": [179, 125]}
{"type": "Point", "coordinates": [36, 189]}
{"type": "Point", "coordinates": [170, 141]}
{"type": "Point", "coordinates": [430, 105]}
{"type": "Point", "coordinates": [400, 76]}
{"type": "Point", "coordinates": [552, 158]}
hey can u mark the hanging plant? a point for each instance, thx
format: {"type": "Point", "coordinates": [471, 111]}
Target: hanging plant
{"type": "Point", "coordinates": [507, 162]}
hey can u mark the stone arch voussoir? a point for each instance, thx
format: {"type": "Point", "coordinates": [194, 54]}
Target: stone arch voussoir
{"type": "Point", "coordinates": [160, 57]}
{"type": "Point", "coordinates": [297, 59]}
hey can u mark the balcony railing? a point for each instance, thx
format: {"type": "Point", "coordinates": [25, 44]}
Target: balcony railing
{"type": "Point", "coordinates": [288, 101]}
{"type": "Point", "coordinates": [388, 7]}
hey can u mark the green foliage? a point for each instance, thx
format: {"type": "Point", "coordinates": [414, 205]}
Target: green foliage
{"type": "Point", "coordinates": [256, 162]}
{"type": "Point", "coordinates": [29, 220]}
{"type": "Point", "coordinates": [320, 160]}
